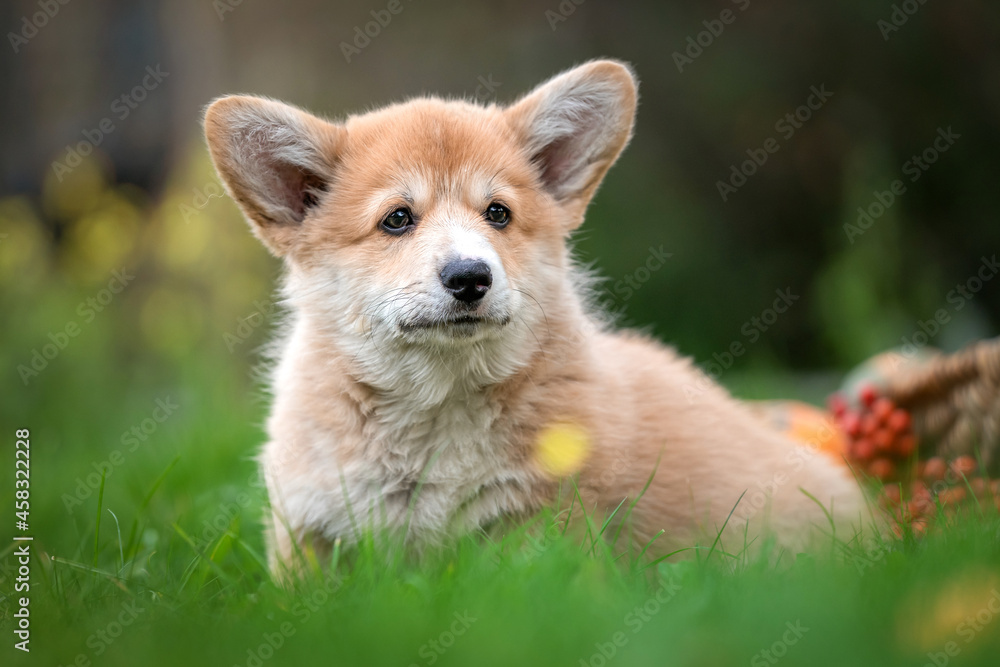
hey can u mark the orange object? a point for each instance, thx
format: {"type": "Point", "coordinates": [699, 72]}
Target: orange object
{"type": "Point", "coordinates": [806, 425]}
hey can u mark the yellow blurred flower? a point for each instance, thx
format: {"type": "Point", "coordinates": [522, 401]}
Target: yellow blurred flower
{"type": "Point", "coordinates": [23, 243]}
{"type": "Point", "coordinates": [100, 241]}
{"type": "Point", "coordinates": [930, 619]}
{"type": "Point", "coordinates": [562, 448]}
{"type": "Point", "coordinates": [180, 241]}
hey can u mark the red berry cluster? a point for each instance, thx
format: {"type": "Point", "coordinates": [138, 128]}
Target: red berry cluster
{"type": "Point", "coordinates": [879, 434]}
{"type": "Point", "coordinates": [951, 485]}
{"type": "Point", "coordinates": [882, 444]}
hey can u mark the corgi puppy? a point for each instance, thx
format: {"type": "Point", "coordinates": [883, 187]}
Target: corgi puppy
{"type": "Point", "coordinates": [443, 368]}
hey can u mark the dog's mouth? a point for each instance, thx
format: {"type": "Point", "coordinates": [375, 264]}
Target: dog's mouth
{"type": "Point", "coordinates": [460, 325]}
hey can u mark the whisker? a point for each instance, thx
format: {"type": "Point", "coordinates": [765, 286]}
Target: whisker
{"type": "Point", "coordinates": [532, 332]}
{"type": "Point", "coordinates": [530, 296]}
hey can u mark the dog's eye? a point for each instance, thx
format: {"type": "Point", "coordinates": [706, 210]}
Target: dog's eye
{"type": "Point", "coordinates": [497, 214]}
{"type": "Point", "coordinates": [398, 221]}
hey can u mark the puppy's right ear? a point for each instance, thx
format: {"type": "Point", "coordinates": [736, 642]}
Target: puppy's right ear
{"type": "Point", "coordinates": [575, 125]}
{"type": "Point", "coordinates": [276, 161]}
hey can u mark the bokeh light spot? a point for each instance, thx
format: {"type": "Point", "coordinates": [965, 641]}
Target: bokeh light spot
{"type": "Point", "coordinates": [561, 448]}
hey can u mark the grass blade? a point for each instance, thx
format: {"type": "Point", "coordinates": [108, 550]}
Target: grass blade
{"type": "Point", "coordinates": [718, 536]}
{"type": "Point", "coordinates": [97, 528]}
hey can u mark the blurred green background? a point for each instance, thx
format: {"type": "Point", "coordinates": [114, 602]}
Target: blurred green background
{"type": "Point", "coordinates": [85, 359]}
{"type": "Point", "coordinates": [104, 171]}
{"type": "Point", "coordinates": [146, 198]}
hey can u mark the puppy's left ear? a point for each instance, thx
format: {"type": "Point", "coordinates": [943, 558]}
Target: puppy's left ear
{"type": "Point", "coordinates": [575, 125]}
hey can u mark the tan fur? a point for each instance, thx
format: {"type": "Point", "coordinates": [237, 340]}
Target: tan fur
{"type": "Point", "coordinates": [378, 422]}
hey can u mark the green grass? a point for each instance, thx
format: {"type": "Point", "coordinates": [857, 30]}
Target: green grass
{"type": "Point", "coordinates": [145, 551]}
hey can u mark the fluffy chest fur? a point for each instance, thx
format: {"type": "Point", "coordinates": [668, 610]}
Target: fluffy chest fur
{"type": "Point", "coordinates": [440, 458]}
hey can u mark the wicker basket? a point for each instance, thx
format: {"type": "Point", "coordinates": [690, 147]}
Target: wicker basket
{"type": "Point", "coordinates": [954, 401]}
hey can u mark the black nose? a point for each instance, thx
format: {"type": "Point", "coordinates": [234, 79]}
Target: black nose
{"type": "Point", "coordinates": [468, 280]}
